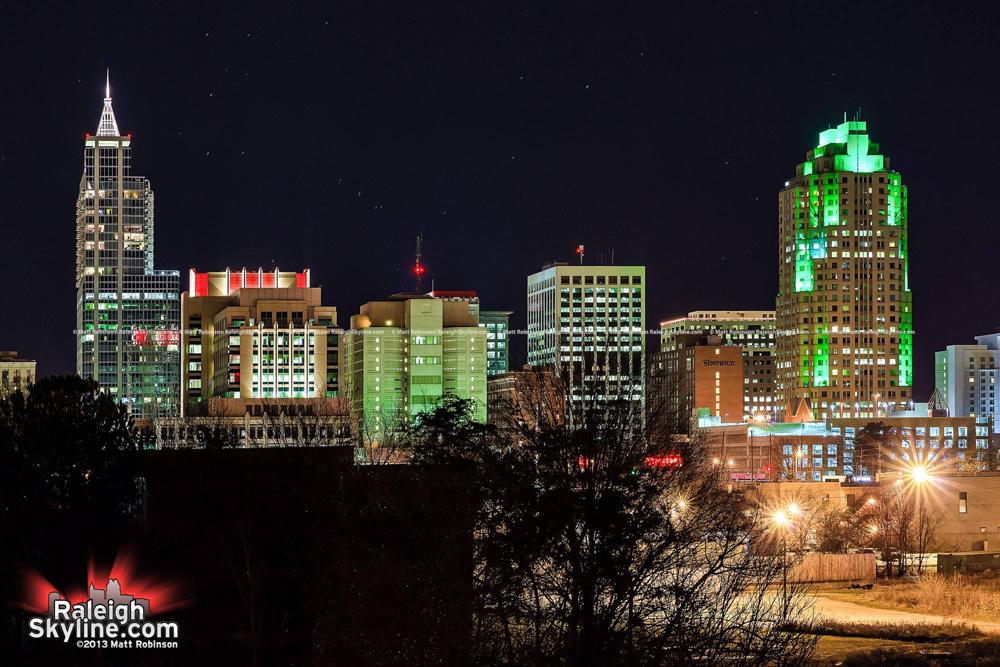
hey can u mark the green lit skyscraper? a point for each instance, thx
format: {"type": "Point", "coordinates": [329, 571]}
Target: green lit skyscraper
{"type": "Point", "coordinates": [843, 307]}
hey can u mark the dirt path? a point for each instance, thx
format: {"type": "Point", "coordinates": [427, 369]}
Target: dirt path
{"type": "Point", "coordinates": [842, 610]}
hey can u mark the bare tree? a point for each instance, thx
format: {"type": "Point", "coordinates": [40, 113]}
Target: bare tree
{"type": "Point", "coordinates": [604, 539]}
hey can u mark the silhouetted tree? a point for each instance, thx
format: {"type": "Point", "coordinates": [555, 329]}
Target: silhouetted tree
{"type": "Point", "coordinates": [67, 482]}
{"type": "Point", "coordinates": [603, 540]}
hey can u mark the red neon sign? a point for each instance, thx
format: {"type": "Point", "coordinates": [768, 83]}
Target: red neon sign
{"type": "Point", "coordinates": [664, 460]}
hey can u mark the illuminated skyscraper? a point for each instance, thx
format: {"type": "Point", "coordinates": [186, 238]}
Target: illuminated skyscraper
{"type": "Point", "coordinates": [843, 308]}
{"type": "Point", "coordinates": [127, 313]}
{"type": "Point", "coordinates": [587, 323]}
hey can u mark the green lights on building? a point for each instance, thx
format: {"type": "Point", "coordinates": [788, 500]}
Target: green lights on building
{"type": "Point", "coordinates": [844, 299]}
{"type": "Point", "coordinates": [405, 353]}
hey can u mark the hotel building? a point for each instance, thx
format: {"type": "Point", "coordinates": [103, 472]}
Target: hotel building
{"type": "Point", "coordinates": [844, 315]}
{"type": "Point", "coordinates": [690, 369]}
{"type": "Point", "coordinates": [257, 334]}
{"type": "Point", "coordinates": [127, 312]}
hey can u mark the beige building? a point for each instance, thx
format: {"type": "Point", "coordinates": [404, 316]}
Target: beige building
{"type": "Point", "coordinates": [843, 307]}
{"type": "Point", "coordinates": [403, 354]}
{"type": "Point", "coordinates": [266, 342]}
{"type": "Point", "coordinates": [255, 422]}
{"type": "Point", "coordinates": [15, 373]}
{"type": "Point", "coordinates": [965, 507]}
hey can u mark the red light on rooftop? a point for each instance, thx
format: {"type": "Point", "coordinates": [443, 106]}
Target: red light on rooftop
{"type": "Point", "coordinates": [86, 135]}
{"type": "Point", "coordinates": [419, 270]}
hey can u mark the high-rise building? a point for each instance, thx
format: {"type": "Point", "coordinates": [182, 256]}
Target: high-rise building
{"type": "Point", "coordinates": [16, 373]}
{"type": "Point", "coordinates": [753, 331]}
{"type": "Point", "coordinates": [403, 354]}
{"type": "Point", "coordinates": [965, 377]}
{"type": "Point", "coordinates": [127, 312]}
{"type": "Point", "coordinates": [259, 335]}
{"type": "Point", "coordinates": [843, 306]}
{"type": "Point", "coordinates": [497, 325]}
{"type": "Point", "coordinates": [587, 322]}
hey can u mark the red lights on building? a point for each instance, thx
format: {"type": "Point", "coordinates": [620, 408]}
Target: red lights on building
{"type": "Point", "coordinates": [156, 337]}
{"type": "Point", "coordinates": [225, 283]}
{"type": "Point", "coordinates": [663, 461]}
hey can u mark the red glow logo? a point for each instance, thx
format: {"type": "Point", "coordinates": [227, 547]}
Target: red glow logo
{"type": "Point", "coordinates": [163, 595]}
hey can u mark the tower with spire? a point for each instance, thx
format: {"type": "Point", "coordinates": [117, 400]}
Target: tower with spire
{"type": "Point", "coordinates": [128, 313]}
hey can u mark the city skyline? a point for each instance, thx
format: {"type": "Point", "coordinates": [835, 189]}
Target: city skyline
{"type": "Point", "coordinates": [448, 169]}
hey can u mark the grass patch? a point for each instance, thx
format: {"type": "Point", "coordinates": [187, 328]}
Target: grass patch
{"type": "Point", "coordinates": [908, 632]}
{"type": "Point", "coordinates": [976, 598]}
{"type": "Point", "coordinates": [982, 652]}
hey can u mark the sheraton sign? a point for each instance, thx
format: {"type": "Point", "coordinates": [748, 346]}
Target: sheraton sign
{"type": "Point", "coordinates": [708, 362]}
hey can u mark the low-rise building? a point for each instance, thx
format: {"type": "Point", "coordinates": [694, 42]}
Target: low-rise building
{"type": "Point", "coordinates": [532, 397]}
{"type": "Point", "coordinates": [16, 373]}
{"type": "Point", "coordinates": [256, 422]}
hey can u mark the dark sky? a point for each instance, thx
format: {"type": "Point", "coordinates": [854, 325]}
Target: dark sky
{"type": "Point", "coordinates": [328, 135]}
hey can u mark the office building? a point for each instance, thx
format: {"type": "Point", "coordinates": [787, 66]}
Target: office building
{"type": "Point", "coordinates": [127, 312]}
{"type": "Point", "coordinates": [843, 307]}
{"type": "Point", "coordinates": [823, 450]}
{"type": "Point", "coordinates": [497, 325]}
{"type": "Point", "coordinates": [403, 354]}
{"type": "Point", "coordinates": [16, 373]}
{"type": "Point", "coordinates": [965, 378]}
{"type": "Point", "coordinates": [258, 334]}
{"type": "Point", "coordinates": [588, 323]}
{"type": "Point", "coordinates": [745, 384]}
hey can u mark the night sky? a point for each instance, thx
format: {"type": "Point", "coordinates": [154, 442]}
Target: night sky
{"type": "Point", "coordinates": [327, 136]}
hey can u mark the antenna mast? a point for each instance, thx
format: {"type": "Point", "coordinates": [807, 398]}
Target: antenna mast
{"type": "Point", "coordinates": [418, 268]}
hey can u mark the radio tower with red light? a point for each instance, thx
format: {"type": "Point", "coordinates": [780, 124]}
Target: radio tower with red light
{"type": "Point", "coordinates": [579, 251]}
{"type": "Point", "coordinates": [418, 268]}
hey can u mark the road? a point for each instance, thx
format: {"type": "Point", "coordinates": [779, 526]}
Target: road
{"type": "Point", "coordinates": [842, 610]}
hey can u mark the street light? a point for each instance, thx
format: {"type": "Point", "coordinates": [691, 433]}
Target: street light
{"type": "Point", "coordinates": [919, 474]}
{"type": "Point", "coordinates": [759, 419]}
{"type": "Point", "coordinates": [782, 521]}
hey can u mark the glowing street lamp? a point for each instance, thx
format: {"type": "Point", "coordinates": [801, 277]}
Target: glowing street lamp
{"type": "Point", "coordinates": [919, 474]}
{"type": "Point", "coordinates": [783, 523]}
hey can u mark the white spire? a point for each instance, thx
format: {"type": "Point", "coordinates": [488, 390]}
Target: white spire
{"type": "Point", "coordinates": [108, 127]}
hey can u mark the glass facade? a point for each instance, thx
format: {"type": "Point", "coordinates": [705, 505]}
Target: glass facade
{"type": "Point", "coordinates": [497, 325]}
{"type": "Point", "coordinates": [128, 313]}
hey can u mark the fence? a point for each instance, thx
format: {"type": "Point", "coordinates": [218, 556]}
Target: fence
{"type": "Point", "coordinates": [857, 568]}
